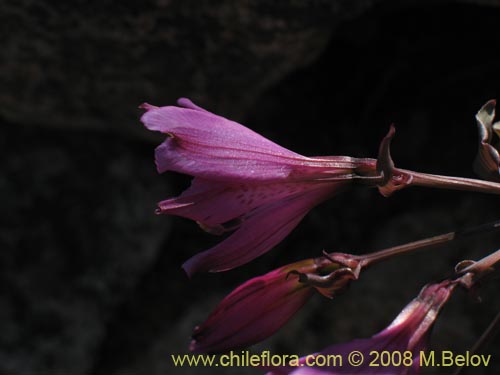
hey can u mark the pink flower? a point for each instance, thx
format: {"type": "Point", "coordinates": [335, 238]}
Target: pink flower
{"type": "Point", "coordinates": [243, 182]}
{"type": "Point", "coordinates": [409, 333]}
{"type": "Point", "coordinates": [259, 307]}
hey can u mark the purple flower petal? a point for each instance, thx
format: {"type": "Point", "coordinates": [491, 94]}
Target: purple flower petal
{"type": "Point", "coordinates": [260, 230]}
{"type": "Point", "coordinates": [253, 311]}
{"type": "Point", "coordinates": [243, 181]}
{"type": "Point", "coordinates": [206, 145]}
{"type": "Point", "coordinates": [408, 332]}
{"type": "Point", "coordinates": [262, 305]}
{"type": "Point", "coordinates": [213, 203]}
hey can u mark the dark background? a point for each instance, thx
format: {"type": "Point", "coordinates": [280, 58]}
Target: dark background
{"type": "Point", "coordinates": [90, 279]}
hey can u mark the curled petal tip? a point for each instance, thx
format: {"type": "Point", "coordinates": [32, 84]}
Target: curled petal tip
{"type": "Point", "coordinates": [486, 114]}
{"type": "Point", "coordinates": [187, 103]}
{"type": "Point", "coordinates": [461, 266]}
{"type": "Point", "coordinates": [487, 111]}
{"type": "Point", "coordinates": [147, 106]}
{"type": "Point", "coordinates": [490, 103]}
{"type": "Point", "coordinates": [392, 180]}
{"type": "Point", "coordinates": [385, 165]}
{"type": "Point", "coordinates": [189, 268]}
{"type": "Point", "coordinates": [201, 262]}
{"type": "Point", "coordinates": [184, 102]}
{"type": "Point", "coordinates": [487, 162]}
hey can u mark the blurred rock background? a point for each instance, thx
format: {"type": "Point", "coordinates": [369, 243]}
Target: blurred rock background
{"type": "Point", "coordinates": [90, 279]}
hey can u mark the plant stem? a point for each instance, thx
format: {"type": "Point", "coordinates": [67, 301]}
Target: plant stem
{"type": "Point", "coordinates": [483, 265]}
{"type": "Point", "coordinates": [454, 183]}
{"type": "Point", "coordinates": [371, 258]}
{"type": "Point", "coordinates": [487, 335]}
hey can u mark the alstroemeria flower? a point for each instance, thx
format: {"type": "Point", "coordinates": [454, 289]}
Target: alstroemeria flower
{"type": "Point", "coordinates": [262, 305]}
{"type": "Point", "coordinates": [487, 163]}
{"type": "Point", "coordinates": [409, 332]}
{"type": "Point", "coordinates": [243, 182]}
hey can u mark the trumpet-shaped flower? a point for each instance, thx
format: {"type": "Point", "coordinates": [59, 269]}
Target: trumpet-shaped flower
{"type": "Point", "coordinates": [243, 182]}
{"type": "Point", "coordinates": [407, 334]}
{"type": "Point", "coordinates": [262, 305]}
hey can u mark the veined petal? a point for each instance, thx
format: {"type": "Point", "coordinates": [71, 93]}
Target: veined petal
{"type": "Point", "coordinates": [203, 144]}
{"type": "Point", "coordinates": [408, 332]}
{"type": "Point", "coordinates": [213, 203]}
{"type": "Point", "coordinates": [261, 230]}
{"type": "Point", "coordinates": [259, 307]}
{"type": "Point", "coordinates": [253, 311]}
